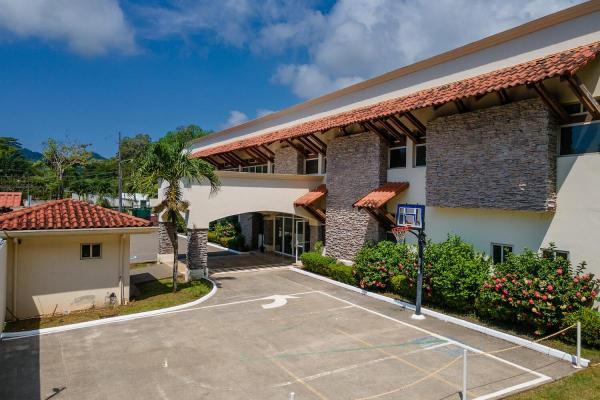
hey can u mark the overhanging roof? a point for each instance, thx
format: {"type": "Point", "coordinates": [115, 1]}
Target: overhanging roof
{"type": "Point", "coordinates": [312, 196]}
{"type": "Point", "coordinates": [563, 63]}
{"type": "Point", "coordinates": [380, 196]}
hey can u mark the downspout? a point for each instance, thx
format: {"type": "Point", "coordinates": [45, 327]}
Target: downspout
{"type": "Point", "coordinates": [15, 269]}
{"type": "Point", "coordinates": [121, 270]}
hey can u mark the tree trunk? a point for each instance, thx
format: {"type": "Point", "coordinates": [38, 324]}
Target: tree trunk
{"type": "Point", "coordinates": [175, 258]}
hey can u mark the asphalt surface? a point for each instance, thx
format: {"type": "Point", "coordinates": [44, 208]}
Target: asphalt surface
{"type": "Point", "coordinates": [320, 342]}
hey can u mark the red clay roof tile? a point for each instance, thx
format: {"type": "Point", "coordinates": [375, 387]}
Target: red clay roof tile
{"type": "Point", "coordinates": [312, 196]}
{"type": "Point", "coordinates": [566, 62]}
{"type": "Point", "coordinates": [67, 214]}
{"type": "Point", "coordinates": [10, 199]}
{"type": "Point", "coordinates": [382, 195]}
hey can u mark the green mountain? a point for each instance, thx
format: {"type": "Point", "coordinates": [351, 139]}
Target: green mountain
{"type": "Point", "coordinates": [36, 155]}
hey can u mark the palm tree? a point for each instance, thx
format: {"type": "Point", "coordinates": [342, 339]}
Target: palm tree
{"type": "Point", "coordinates": [168, 160]}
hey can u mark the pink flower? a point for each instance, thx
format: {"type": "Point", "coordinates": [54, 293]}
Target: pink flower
{"type": "Point", "coordinates": [505, 292]}
{"type": "Point", "coordinates": [544, 297]}
{"type": "Point", "coordinates": [559, 271]}
{"type": "Point", "coordinates": [578, 294]}
{"type": "Point", "coordinates": [593, 294]}
{"type": "Point", "coordinates": [510, 299]}
{"type": "Point", "coordinates": [576, 280]}
{"type": "Point", "coordinates": [531, 302]}
{"type": "Point", "coordinates": [550, 288]}
{"type": "Point", "coordinates": [537, 295]}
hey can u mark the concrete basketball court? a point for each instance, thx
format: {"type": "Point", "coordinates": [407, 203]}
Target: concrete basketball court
{"type": "Point", "coordinates": [262, 336]}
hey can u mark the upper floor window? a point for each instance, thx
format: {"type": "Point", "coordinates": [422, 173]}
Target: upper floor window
{"type": "Point", "coordinates": [311, 166]}
{"type": "Point", "coordinates": [259, 169]}
{"type": "Point", "coordinates": [398, 157]}
{"type": "Point", "coordinates": [420, 155]}
{"type": "Point", "coordinates": [580, 139]}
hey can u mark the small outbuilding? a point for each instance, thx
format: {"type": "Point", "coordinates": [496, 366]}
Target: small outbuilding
{"type": "Point", "coordinates": [65, 255]}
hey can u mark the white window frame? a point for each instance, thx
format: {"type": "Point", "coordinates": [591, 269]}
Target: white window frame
{"type": "Point", "coordinates": [266, 167]}
{"type": "Point", "coordinates": [390, 156]}
{"type": "Point", "coordinates": [502, 245]}
{"type": "Point", "coordinates": [414, 163]}
{"type": "Point", "coordinates": [91, 257]}
{"type": "Point", "coordinates": [556, 251]}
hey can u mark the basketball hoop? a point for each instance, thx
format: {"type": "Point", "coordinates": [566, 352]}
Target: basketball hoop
{"type": "Point", "coordinates": [400, 232]}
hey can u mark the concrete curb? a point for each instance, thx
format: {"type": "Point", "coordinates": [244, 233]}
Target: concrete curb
{"type": "Point", "coordinates": [218, 246]}
{"type": "Point", "coordinates": [111, 320]}
{"type": "Point", "coordinates": [549, 351]}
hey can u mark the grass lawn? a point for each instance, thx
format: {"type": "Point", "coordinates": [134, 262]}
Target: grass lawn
{"type": "Point", "coordinates": [583, 385]}
{"type": "Point", "coordinates": [154, 295]}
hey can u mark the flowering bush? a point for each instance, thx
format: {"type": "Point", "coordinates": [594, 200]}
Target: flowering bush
{"type": "Point", "coordinates": [376, 264]}
{"type": "Point", "coordinates": [535, 291]}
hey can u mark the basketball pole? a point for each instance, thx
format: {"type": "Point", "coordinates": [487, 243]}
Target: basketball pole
{"type": "Point", "coordinates": [419, 300]}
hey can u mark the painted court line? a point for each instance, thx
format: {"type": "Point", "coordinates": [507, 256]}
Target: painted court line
{"type": "Point", "coordinates": [435, 346]}
{"type": "Point", "coordinates": [540, 377]}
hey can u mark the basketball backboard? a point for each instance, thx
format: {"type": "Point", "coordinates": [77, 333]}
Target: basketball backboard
{"type": "Point", "coordinates": [411, 215]}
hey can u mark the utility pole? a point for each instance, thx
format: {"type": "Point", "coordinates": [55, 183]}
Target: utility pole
{"type": "Point", "coordinates": [120, 178]}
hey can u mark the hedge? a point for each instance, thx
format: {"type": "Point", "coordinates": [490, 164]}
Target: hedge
{"type": "Point", "coordinates": [327, 266]}
{"type": "Point", "coordinates": [590, 327]}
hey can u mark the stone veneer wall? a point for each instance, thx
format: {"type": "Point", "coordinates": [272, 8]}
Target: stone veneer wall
{"type": "Point", "coordinates": [356, 165]}
{"type": "Point", "coordinates": [501, 157]}
{"type": "Point", "coordinates": [250, 228]}
{"type": "Point", "coordinates": [288, 161]}
{"type": "Point", "coordinates": [197, 253]}
{"type": "Point", "coordinates": [165, 232]}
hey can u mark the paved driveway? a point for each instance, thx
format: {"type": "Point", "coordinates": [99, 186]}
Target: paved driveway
{"type": "Point", "coordinates": [318, 341]}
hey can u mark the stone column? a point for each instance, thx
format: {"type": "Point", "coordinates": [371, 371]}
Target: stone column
{"type": "Point", "coordinates": [288, 161]}
{"type": "Point", "coordinates": [165, 241]}
{"type": "Point", "coordinates": [197, 254]}
{"type": "Point", "coordinates": [250, 224]}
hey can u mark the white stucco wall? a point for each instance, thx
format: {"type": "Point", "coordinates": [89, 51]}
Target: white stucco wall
{"type": "Point", "coordinates": [556, 38]}
{"type": "Point", "coordinates": [51, 276]}
{"type": "Point", "coordinates": [574, 227]}
{"type": "Point", "coordinates": [243, 192]}
{"type": "Point", "coordinates": [2, 282]}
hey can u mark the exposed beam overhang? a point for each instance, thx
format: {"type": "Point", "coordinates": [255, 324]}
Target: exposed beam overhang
{"type": "Point", "coordinates": [368, 126]}
{"type": "Point", "coordinates": [237, 158]}
{"type": "Point", "coordinates": [315, 212]}
{"type": "Point", "coordinates": [461, 106]}
{"type": "Point", "coordinates": [266, 157]}
{"type": "Point", "coordinates": [308, 145]}
{"type": "Point", "coordinates": [299, 149]}
{"type": "Point", "coordinates": [318, 142]}
{"type": "Point", "coordinates": [213, 162]}
{"type": "Point", "coordinates": [255, 155]}
{"type": "Point", "coordinates": [267, 150]}
{"type": "Point", "coordinates": [503, 96]}
{"type": "Point", "coordinates": [399, 125]}
{"type": "Point", "coordinates": [550, 101]}
{"type": "Point", "coordinates": [583, 94]}
{"type": "Point", "coordinates": [416, 123]}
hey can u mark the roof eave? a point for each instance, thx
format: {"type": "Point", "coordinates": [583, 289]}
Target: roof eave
{"type": "Point", "coordinates": [6, 234]}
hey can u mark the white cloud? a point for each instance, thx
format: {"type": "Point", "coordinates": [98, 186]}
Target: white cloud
{"type": "Point", "coordinates": [261, 112]}
{"type": "Point", "coordinates": [235, 118]}
{"type": "Point", "coordinates": [88, 27]}
{"type": "Point", "coordinates": [364, 38]}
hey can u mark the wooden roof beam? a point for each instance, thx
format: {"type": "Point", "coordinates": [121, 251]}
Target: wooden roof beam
{"type": "Point", "coordinates": [503, 96]}
{"type": "Point", "coordinates": [299, 149]}
{"type": "Point", "coordinates": [267, 150]}
{"type": "Point", "coordinates": [229, 160]}
{"type": "Point", "coordinates": [550, 101]}
{"type": "Point", "coordinates": [318, 142]}
{"type": "Point", "coordinates": [237, 158]}
{"type": "Point", "coordinates": [308, 145]}
{"type": "Point", "coordinates": [461, 106]}
{"type": "Point", "coordinates": [368, 126]}
{"type": "Point", "coordinates": [583, 94]}
{"type": "Point", "coordinates": [260, 150]}
{"type": "Point", "coordinates": [213, 162]}
{"type": "Point", "coordinates": [416, 123]}
{"type": "Point", "coordinates": [404, 129]}
{"type": "Point", "coordinates": [254, 155]}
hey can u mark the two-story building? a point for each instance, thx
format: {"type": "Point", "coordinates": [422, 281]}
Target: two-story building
{"type": "Point", "coordinates": [500, 139]}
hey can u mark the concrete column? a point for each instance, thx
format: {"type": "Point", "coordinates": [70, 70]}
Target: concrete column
{"type": "Point", "coordinates": [197, 254]}
{"type": "Point", "coordinates": [165, 237]}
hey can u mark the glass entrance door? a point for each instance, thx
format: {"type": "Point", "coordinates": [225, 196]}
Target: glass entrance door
{"type": "Point", "coordinates": [289, 233]}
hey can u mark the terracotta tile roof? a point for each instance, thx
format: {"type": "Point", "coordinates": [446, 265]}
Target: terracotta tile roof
{"type": "Point", "coordinates": [565, 62]}
{"type": "Point", "coordinates": [312, 196]}
{"type": "Point", "coordinates": [67, 214]}
{"type": "Point", "coordinates": [381, 195]}
{"type": "Point", "coordinates": [10, 199]}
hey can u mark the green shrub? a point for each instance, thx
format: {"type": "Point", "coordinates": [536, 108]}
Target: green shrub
{"type": "Point", "coordinates": [536, 292]}
{"type": "Point", "coordinates": [212, 237]}
{"type": "Point", "coordinates": [317, 263]}
{"type": "Point", "coordinates": [454, 273]}
{"type": "Point", "coordinates": [590, 327]}
{"type": "Point", "coordinates": [376, 264]}
{"type": "Point", "coordinates": [318, 247]}
{"type": "Point", "coordinates": [341, 273]}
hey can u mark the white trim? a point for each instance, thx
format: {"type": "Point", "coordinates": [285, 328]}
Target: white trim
{"type": "Point", "coordinates": [457, 321]}
{"type": "Point", "coordinates": [111, 320]}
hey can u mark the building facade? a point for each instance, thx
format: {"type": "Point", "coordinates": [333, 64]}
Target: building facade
{"type": "Point", "coordinates": [500, 139]}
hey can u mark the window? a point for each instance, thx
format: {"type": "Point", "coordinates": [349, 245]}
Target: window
{"type": "Point", "coordinates": [552, 254]}
{"type": "Point", "coordinates": [580, 139]}
{"type": "Point", "coordinates": [258, 169]}
{"type": "Point", "coordinates": [500, 252]}
{"type": "Point", "coordinates": [398, 157]}
{"type": "Point", "coordinates": [420, 155]}
{"type": "Point", "coordinates": [574, 108]}
{"type": "Point", "coordinates": [91, 250]}
{"type": "Point", "coordinates": [311, 166]}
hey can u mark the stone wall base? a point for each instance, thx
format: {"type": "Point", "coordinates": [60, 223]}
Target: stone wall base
{"type": "Point", "coordinates": [197, 254]}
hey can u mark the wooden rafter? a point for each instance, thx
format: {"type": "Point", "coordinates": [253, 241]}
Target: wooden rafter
{"type": "Point", "coordinates": [461, 106]}
{"type": "Point", "coordinates": [583, 94]}
{"type": "Point", "coordinates": [318, 141]}
{"type": "Point", "coordinates": [299, 149]}
{"type": "Point", "coordinates": [416, 123]}
{"type": "Point", "coordinates": [213, 162]}
{"type": "Point", "coordinates": [380, 216]}
{"type": "Point", "coordinates": [308, 145]}
{"type": "Point", "coordinates": [368, 126]}
{"type": "Point", "coordinates": [237, 158]}
{"type": "Point", "coordinates": [267, 150]}
{"type": "Point", "coordinates": [503, 96]}
{"type": "Point", "coordinates": [254, 155]}
{"type": "Point", "coordinates": [550, 101]}
{"type": "Point", "coordinates": [229, 160]}
{"type": "Point", "coordinates": [392, 129]}
{"type": "Point", "coordinates": [315, 212]}
{"type": "Point", "coordinates": [404, 129]}
{"type": "Point", "coordinates": [260, 151]}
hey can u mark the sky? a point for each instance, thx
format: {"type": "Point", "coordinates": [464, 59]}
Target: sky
{"type": "Point", "coordinates": [85, 70]}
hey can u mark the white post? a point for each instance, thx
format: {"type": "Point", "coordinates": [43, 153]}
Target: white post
{"type": "Point", "coordinates": [578, 365]}
{"type": "Point", "coordinates": [464, 383]}
{"type": "Point", "coordinates": [292, 395]}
